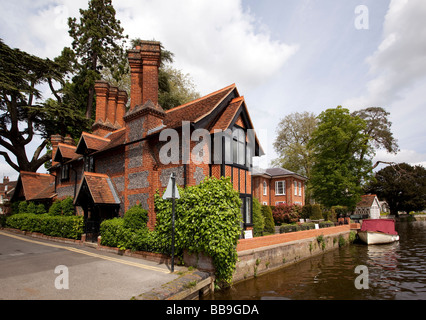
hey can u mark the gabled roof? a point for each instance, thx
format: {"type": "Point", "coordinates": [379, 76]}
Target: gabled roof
{"type": "Point", "coordinates": [36, 186]}
{"type": "Point", "coordinates": [229, 115]}
{"type": "Point", "coordinates": [217, 110]}
{"type": "Point", "coordinates": [64, 152]}
{"type": "Point", "coordinates": [367, 201]}
{"type": "Point", "coordinates": [199, 109]}
{"type": "Point", "coordinates": [99, 188]}
{"type": "Point", "coordinates": [90, 142]}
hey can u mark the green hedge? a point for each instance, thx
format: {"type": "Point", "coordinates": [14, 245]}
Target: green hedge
{"type": "Point", "coordinates": [116, 233]}
{"type": "Point", "coordinates": [71, 227]}
{"type": "Point", "coordinates": [286, 228]}
{"type": "Point", "coordinates": [131, 232]}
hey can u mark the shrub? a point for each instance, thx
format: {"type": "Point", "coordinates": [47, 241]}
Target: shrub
{"type": "Point", "coordinates": [307, 226]}
{"type": "Point", "coordinates": [286, 228]}
{"type": "Point", "coordinates": [114, 234]}
{"type": "Point", "coordinates": [269, 220]}
{"type": "Point", "coordinates": [55, 226]}
{"type": "Point", "coordinates": [286, 213]}
{"type": "Point", "coordinates": [339, 211]}
{"type": "Point", "coordinates": [326, 224]}
{"type": "Point", "coordinates": [316, 213]}
{"type": "Point", "coordinates": [306, 211]}
{"type": "Point", "coordinates": [22, 207]}
{"type": "Point", "coordinates": [56, 208]}
{"type": "Point", "coordinates": [208, 218]}
{"type": "Point", "coordinates": [67, 206]}
{"type": "Point", "coordinates": [136, 218]}
{"type": "Point", "coordinates": [258, 219]}
{"type": "Point", "coordinates": [31, 208]}
{"type": "Point", "coordinates": [40, 209]}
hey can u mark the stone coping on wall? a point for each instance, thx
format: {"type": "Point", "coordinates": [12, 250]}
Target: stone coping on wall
{"type": "Point", "coordinates": [248, 244]}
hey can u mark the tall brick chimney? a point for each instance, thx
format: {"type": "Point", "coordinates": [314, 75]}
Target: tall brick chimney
{"type": "Point", "coordinates": [121, 108]}
{"type": "Point", "coordinates": [144, 62]}
{"type": "Point", "coordinates": [145, 114]}
{"type": "Point", "coordinates": [102, 92]}
{"type": "Point", "coordinates": [112, 106]}
{"type": "Point", "coordinates": [106, 103]}
{"type": "Point", "coordinates": [55, 140]}
{"type": "Point", "coordinates": [69, 141]}
{"type": "Point", "coordinates": [151, 55]}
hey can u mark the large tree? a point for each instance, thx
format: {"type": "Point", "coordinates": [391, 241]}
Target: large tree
{"type": "Point", "coordinates": [294, 132]}
{"type": "Point", "coordinates": [402, 186]}
{"type": "Point", "coordinates": [339, 170]}
{"type": "Point", "coordinates": [23, 114]}
{"type": "Point", "coordinates": [378, 127]}
{"type": "Point", "coordinates": [98, 42]}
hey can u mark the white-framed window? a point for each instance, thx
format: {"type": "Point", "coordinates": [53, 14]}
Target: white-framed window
{"type": "Point", "coordinates": [279, 202]}
{"type": "Point", "coordinates": [300, 188]}
{"type": "Point", "coordinates": [265, 188]}
{"type": "Point", "coordinates": [295, 188]}
{"type": "Point", "coordinates": [65, 172]}
{"type": "Point", "coordinates": [239, 146]}
{"type": "Point", "coordinates": [280, 188]}
{"type": "Point", "coordinates": [265, 203]}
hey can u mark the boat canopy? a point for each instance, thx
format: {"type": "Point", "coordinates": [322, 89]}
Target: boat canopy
{"type": "Point", "coordinates": [379, 225]}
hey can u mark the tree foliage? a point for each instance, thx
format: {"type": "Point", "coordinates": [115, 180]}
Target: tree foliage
{"type": "Point", "coordinates": [23, 114]}
{"type": "Point", "coordinates": [378, 127]}
{"type": "Point", "coordinates": [339, 170]}
{"type": "Point", "coordinates": [293, 135]}
{"type": "Point", "coordinates": [98, 42]}
{"type": "Point", "coordinates": [208, 221]}
{"type": "Point", "coordinates": [402, 186]}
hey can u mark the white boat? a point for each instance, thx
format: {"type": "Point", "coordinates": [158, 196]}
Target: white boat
{"type": "Point", "coordinates": [378, 231]}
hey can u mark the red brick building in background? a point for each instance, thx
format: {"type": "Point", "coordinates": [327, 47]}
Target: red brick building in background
{"type": "Point", "coordinates": [275, 186]}
{"type": "Point", "coordinates": [6, 190]}
{"type": "Point", "coordinates": [119, 164]}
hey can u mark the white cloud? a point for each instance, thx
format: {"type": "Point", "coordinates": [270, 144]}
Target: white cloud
{"type": "Point", "coordinates": [411, 157]}
{"type": "Point", "coordinates": [217, 42]}
{"type": "Point", "coordinates": [399, 61]}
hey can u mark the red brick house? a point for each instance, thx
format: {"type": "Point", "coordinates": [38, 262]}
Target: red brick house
{"type": "Point", "coordinates": [275, 186]}
{"type": "Point", "coordinates": [33, 186]}
{"type": "Point", "coordinates": [6, 190]}
{"type": "Point", "coordinates": [131, 153]}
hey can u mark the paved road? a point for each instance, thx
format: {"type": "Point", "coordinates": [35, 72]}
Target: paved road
{"type": "Point", "coordinates": [27, 271]}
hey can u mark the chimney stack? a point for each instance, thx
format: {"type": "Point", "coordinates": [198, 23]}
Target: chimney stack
{"type": "Point", "coordinates": [106, 103]}
{"type": "Point", "coordinates": [135, 62]}
{"type": "Point", "coordinates": [55, 140]}
{"type": "Point", "coordinates": [102, 92]}
{"type": "Point", "coordinates": [69, 141]}
{"type": "Point", "coordinates": [144, 62]}
{"type": "Point", "coordinates": [121, 108]}
{"type": "Point", "coordinates": [112, 106]}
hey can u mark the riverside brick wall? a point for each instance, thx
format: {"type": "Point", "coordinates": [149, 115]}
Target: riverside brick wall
{"type": "Point", "coordinates": [268, 253]}
{"type": "Point", "coordinates": [246, 244]}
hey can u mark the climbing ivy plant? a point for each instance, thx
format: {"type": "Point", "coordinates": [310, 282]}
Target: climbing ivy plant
{"type": "Point", "coordinates": [208, 220]}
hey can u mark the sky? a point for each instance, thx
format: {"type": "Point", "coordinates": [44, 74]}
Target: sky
{"type": "Point", "coordinates": [284, 56]}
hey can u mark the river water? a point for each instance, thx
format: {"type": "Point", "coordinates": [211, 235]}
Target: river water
{"type": "Point", "coordinates": [392, 271]}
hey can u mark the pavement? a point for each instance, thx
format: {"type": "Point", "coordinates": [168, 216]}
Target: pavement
{"type": "Point", "coordinates": [36, 269]}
